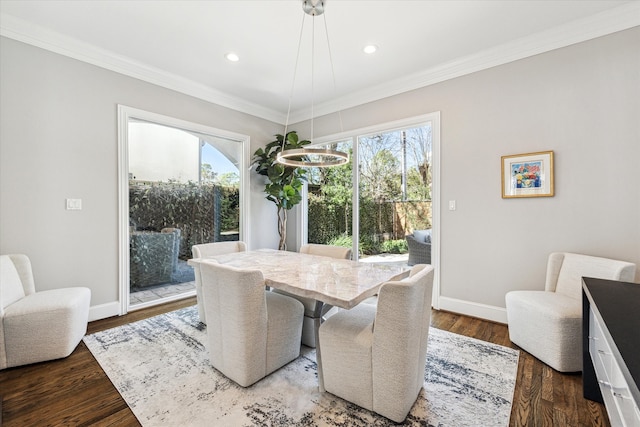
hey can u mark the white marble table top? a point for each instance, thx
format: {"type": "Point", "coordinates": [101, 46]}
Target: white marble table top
{"type": "Point", "coordinates": [338, 282]}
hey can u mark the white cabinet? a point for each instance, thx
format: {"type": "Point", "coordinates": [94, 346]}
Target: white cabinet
{"type": "Point", "coordinates": [621, 407]}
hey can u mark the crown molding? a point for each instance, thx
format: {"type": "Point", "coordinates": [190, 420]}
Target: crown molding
{"type": "Point", "coordinates": [598, 25]}
{"type": "Point", "coordinates": [20, 30]}
{"type": "Point", "coordinates": [608, 22]}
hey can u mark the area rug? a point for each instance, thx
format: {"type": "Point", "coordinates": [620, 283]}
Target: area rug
{"type": "Point", "coordinates": [161, 368]}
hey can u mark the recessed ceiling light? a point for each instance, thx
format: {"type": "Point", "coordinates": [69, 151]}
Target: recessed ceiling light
{"type": "Point", "coordinates": [232, 57]}
{"type": "Point", "coordinates": [370, 48]}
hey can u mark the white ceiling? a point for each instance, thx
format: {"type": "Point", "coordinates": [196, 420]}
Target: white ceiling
{"type": "Point", "coordinates": [181, 44]}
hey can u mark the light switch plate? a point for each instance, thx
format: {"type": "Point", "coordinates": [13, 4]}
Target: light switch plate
{"type": "Point", "coordinates": [452, 205]}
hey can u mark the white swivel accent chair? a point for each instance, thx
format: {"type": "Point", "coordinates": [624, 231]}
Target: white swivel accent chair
{"type": "Point", "coordinates": [314, 310]}
{"type": "Point", "coordinates": [207, 250]}
{"type": "Point", "coordinates": [375, 356]}
{"type": "Point", "coordinates": [252, 332]}
{"type": "Point", "coordinates": [37, 326]}
{"type": "Point", "coordinates": [548, 324]}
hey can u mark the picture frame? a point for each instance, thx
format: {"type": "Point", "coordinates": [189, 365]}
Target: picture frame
{"type": "Point", "coordinates": [527, 175]}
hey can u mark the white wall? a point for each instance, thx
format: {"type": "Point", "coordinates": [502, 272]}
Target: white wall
{"type": "Point", "coordinates": [161, 153]}
{"type": "Point", "coordinates": [58, 139]}
{"type": "Point", "coordinates": [582, 102]}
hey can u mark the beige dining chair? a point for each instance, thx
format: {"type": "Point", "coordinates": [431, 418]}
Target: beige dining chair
{"type": "Point", "coordinates": [315, 310]}
{"type": "Point", "coordinates": [205, 250]}
{"type": "Point", "coordinates": [375, 356]}
{"type": "Point", "coordinates": [548, 324]}
{"type": "Point", "coordinates": [252, 332]}
{"type": "Point", "coordinates": [37, 326]}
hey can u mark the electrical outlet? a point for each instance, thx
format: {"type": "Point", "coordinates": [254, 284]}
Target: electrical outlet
{"type": "Point", "coordinates": [74, 204]}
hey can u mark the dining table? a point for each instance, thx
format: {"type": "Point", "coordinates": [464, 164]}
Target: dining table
{"type": "Point", "coordinates": [332, 282]}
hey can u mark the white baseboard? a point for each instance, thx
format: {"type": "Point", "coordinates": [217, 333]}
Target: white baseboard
{"type": "Point", "coordinates": [474, 309]}
{"type": "Point", "coordinates": [103, 311]}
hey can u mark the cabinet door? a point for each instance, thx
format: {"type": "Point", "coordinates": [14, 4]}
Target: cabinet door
{"type": "Point", "coordinates": [599, 350]}
{"type": "Point", "coordinates": [620, 405]}
{"type": "Point", "coordinates": [622, 397]}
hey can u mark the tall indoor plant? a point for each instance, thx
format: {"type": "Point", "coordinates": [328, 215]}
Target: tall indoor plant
{"type": "Point", "coordinates": [284, 183]}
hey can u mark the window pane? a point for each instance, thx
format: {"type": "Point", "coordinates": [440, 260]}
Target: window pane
{"type": "Point", "coordinates": [330, 201]}
{"type": "Point", "coordinates": [183, 190]}
{"type": "Point", "coordinates": [393, 195]}
{"type": "Point", "coordinates": [394, 189]}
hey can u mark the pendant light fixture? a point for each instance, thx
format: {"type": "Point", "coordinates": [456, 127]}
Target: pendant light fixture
{"type": "Point", "coordinates": [311, 157]}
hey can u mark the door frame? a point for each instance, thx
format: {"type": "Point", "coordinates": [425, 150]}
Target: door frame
{"type": "Point", "coordinates": [126, 113]}
{"type": "Point", "coordinates": [434, 119]}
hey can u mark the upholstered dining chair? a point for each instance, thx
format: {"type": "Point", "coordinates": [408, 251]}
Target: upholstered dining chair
{"type": "Point", "coordinates": [548, 324]}
{"type": "Point", "coordinates": [331, 251]}
{"type": "Point", "coordinates": [314, 310]}
{"type": "Point", "coordinates": [207, 250]}
{"type": "Point", "coordinates": [375, 356]}
{"type": "Point", "coordinates": [37, 326]}
{"type": "Point", "coordinates": [252, 332]}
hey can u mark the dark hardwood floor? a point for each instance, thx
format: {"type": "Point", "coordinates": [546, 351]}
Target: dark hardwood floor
{"type": "Point", "coordinates": [76, 392]}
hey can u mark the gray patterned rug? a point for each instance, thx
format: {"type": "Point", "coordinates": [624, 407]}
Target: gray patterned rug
{"type": "Point", "coordinates": [161, 368]}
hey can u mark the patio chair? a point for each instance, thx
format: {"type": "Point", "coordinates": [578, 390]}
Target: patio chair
{"type": "Point", "coordinates": [419, 244]}
{"type": "Point", "coordinates": [153, 257]}
{"type": "Point", "coordinates": [175, 251]}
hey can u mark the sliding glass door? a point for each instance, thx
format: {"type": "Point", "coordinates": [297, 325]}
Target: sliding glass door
{"type": "Point", "coordinates": [330, 201]}
{"type": "Point", "coordinates": [394, 192]}
{"type": "Point", "coordinates": [184, 187]}
{"type": "Point", "coordinates": [381, 196]}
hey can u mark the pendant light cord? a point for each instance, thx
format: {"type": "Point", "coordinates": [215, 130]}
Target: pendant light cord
{"type": "Point", "coordinates": [313, 58]}
{"type": "Point", "coordinates": [295, 73]}
{"type": "Point", "coordinates": [329, 157]}
{"type": "Point", "coordinates": [333, 72]}
{"type": "Point", "coordinates": [293, 83]}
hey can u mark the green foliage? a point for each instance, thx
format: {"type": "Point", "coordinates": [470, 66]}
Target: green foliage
{"type": "Point", "coordinates": [201, 212]}
{"type": "Point", "coordinates": [384, 180]}
{"type": "Point", "coordinates": [207, 174]}
{"type": "Point", "coordinates": [344, 241]}
{"type": "Point", "coordinates": [394, 246]}
{"type": "Point", "coordinates": [381, 159]}
{"type": "Point", "coordinates": [388, 210]}
{"type": "Point", "coordinates": [369, 247]}
{"type": "Point", "coordinates": [228, 179]}
{"type": "Point", "coordinates": [284, 183]}
{"type": "Point", "coordinates": [417, 188]}
{"type": "Point", "coordinates": [327, 219]}
{"type": "Point", "coordinates": [376, 223]}
{"type": "Point", "coordinates": [229, 199]}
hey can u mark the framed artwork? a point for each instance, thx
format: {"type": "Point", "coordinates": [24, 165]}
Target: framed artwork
{"type": "Point", "coordinates": [527, 175]}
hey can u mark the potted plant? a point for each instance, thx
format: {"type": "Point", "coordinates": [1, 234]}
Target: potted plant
{"type": "Point", "coordinates": [284, 183]}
